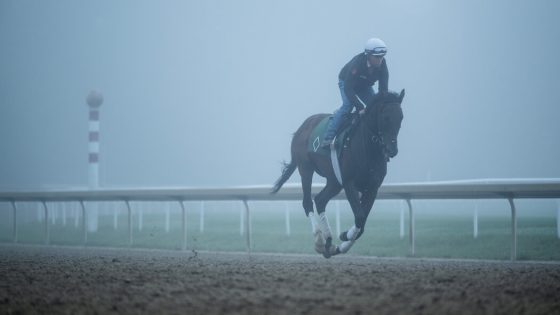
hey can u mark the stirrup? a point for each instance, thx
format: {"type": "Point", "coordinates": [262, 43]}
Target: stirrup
{"type": "Point", "coordinates": [326, 144]}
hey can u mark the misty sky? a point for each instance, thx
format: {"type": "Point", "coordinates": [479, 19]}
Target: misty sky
{"type": "Point", "coordinates": [208, 93]}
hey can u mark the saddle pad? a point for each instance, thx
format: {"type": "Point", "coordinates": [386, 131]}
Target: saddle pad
{"type": "Point", "coordinates": [316, 138]}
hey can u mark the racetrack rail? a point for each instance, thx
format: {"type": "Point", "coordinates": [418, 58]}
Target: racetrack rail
{"type": "Point", "coordinates": [508, 189]}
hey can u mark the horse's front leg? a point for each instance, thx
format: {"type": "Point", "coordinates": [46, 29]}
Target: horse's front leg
{"type": "Point", "coordinates": [350, 236]}
{"type": "Point", "coordinates": [367, 199]}
{"type": "Point", "coordinates": [353, 196]}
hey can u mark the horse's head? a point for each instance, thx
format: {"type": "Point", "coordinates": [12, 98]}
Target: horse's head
{"type": "Point", "coordinates": [384, 117]}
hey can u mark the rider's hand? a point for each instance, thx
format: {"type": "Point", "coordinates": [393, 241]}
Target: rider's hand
{"type": "Point", "coordinates": [362, 111]}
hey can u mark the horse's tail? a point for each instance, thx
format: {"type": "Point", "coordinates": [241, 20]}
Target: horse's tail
{"type": "Point", "coordinates": [287, 171]}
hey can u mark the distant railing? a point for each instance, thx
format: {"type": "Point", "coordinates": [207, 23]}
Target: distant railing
{"type": "Point", "coordinates": [508, 189]}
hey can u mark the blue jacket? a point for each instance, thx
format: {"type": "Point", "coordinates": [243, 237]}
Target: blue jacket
{"type": "Point", "coordinates": [358, 77]}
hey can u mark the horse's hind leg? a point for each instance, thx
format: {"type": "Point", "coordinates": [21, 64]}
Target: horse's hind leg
{"type": "Point", "coordinates": [306, 173]}
{"type": "Point", "coordinates": [331, 189]}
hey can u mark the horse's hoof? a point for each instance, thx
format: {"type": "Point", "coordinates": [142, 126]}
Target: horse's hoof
{"type": "Point", "coordinates": [343, 236]}
{"type": "Point", "coordinates": [319, 242]}
{"type": "Point", "coordinates": [327, 253]}
{"type": "Point", "coordinates": [332, 251]}
{"type": "Point", "coordinates": [337, 251]}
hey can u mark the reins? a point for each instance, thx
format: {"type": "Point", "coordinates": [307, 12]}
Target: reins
{"type": "Point", "coordinates": [376, 136]}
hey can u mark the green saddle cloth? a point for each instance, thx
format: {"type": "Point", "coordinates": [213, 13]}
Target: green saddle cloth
{"type": "Point", "coordinates": [317, 135]}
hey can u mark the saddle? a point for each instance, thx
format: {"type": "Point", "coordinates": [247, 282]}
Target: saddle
{"type": "Point", "coordinates": [343, 134]}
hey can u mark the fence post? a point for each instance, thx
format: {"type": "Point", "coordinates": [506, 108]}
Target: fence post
{"type": "Point", "coordinates": [63, 208]}
{"type": "Point", "coordinates": [76, 215]}
{"type": "Point", "coordinates": [15, 228]}
{"type": "Point", "coordinates": [140, 211]}
{"type": "Point", "coordinates": [247, 226]}
{"type": "Point", "coordinates": [513, 229]}
{"type": "Point", "coordinates": [47, 227]}
{"type": "Point", "coordinates": [183, 224]}
{"type": "Point", "coordinates": [401, 230]}
{"type": "Point", "coordinates": [84, 222]}
{"type": "Point", "coordinates": [411, 227]}
{"type": "Point", "coordinates": [475, 222]}
{"type": "Point", "coordinates": [129, 223]}
{"type": "Point", "coordinates": [53, 213]}
{"type": "Point", "coordinates": [241, 227]}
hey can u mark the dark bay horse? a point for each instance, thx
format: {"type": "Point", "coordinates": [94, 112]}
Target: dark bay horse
{"type": "Point", "coordinates": [363, 166]}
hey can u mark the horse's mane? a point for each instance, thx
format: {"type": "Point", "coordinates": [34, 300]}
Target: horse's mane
{"type": "Point", "coordinates": [390, 97]}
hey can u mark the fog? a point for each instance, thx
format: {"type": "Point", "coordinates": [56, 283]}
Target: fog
{"type": "Point", "coordinates": [208, 93]}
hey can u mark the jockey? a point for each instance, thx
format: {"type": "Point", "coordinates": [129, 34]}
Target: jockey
{"type": "Point", "coordinates": [356, 80]}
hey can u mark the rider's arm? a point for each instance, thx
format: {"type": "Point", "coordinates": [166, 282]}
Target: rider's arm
{"type": "Point", "coordinates": [384, 79]}
{"type": "Point", "coordinates": [353, 97]}
{"type": "Point", "coordinates": [349, 88]}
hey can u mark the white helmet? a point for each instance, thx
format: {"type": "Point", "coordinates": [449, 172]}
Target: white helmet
{"type": "Point", "coordinates": [375, 47]}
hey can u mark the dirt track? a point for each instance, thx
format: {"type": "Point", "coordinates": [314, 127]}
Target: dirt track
{"type": "Point", "coordinates": [73, 280]}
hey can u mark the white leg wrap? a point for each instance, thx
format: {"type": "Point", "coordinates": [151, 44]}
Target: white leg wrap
{"type": "Point", "coordinates": [319, 242]}
{"type": "Point", "coordinates": [345, 246]}
{"type": "Point", "coordinates": [317, 235]}
{"type": "Point", "coordinates": [313, 221]}
{"type": "Point", "coordinates": [324, 225]}
{"type": "Point", "coordinates": [353, 233]}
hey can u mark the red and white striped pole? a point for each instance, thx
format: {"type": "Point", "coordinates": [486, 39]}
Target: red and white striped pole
{"type": "Point", "coordinates": [94, 101]}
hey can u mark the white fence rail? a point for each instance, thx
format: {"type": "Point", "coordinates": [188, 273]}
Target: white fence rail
{"type": "Point", "coordinates": [508, 189]}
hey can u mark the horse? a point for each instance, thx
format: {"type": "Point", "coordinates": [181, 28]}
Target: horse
{"type": "Point", "coordinates": [363, 166]}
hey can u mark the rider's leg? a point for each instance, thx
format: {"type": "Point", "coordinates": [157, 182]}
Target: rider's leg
{"type": "Point", "coordinates": [367, 96]}
{"type": "Point", "coordinates": [334, 123]}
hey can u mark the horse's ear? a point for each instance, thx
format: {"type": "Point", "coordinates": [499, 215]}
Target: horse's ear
{"type": "Point", "coordinates": [401, 96]}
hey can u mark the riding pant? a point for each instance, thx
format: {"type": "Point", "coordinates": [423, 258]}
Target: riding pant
{"type": "Point", "coordinates": [344, 110]}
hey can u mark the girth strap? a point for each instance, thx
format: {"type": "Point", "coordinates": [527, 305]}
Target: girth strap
{"type": "Point", "coordinates": [334, 161]}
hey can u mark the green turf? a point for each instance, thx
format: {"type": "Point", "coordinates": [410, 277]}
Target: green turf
{"type": "Point", "coordinates": [441, 235]}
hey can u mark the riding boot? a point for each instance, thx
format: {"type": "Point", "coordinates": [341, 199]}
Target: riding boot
{"type": "Point", "coordinates": [326, 143]}
{"type": "Point", "coordinates": [332, 128]}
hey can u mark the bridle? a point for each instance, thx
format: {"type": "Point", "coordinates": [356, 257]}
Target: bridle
{"type": "Point", "coordinates": [376, 136]}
